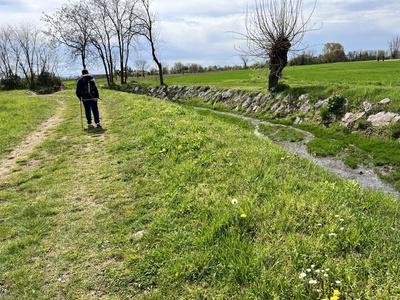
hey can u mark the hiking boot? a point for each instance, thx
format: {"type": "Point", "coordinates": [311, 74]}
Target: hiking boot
{"type": "Point", "coordinates": [98, 125]}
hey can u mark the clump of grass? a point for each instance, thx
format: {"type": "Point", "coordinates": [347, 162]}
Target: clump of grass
{"type": "Point", "coordinates": [280, 133]}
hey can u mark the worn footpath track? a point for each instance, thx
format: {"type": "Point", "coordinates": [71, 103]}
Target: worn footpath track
{"type": "Point", "coordinates": [27, 145]}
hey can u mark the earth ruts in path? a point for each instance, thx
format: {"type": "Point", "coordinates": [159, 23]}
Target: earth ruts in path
{"type": "Point", "coordinates": [366, 177]}
{"type": "Point", "coordinates": [27, 145]}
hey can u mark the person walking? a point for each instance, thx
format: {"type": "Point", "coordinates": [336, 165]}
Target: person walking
{"type": "Point", "coordinates": [87, 92]}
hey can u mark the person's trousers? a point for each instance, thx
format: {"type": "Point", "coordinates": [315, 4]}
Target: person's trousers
{"type": "Point", "coordinates": [91, 106]}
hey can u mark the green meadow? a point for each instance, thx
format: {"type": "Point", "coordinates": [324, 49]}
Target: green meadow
{"type": "Point", "coordinates": [358, 81]}
{"type": "Point", "coordinates": [167, 202]}
{"type": "Point", "coordinates": [369, 81]}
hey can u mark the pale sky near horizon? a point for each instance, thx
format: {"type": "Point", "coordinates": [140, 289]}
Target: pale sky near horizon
{"type": "Point", "coordinates": [200, 31]}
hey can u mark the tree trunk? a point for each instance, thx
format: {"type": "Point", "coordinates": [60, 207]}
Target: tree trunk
{"type": "Point", "coordinates": [277, 61]}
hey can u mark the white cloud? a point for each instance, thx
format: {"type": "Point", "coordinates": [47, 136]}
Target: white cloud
{"type": "Point", "coordinates": [199, 31]}
{"type": "Point", "coordinates": [206, 40]}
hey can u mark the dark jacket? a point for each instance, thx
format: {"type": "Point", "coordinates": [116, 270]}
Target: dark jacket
{"type": "Point", "coordinates": [86, 88]}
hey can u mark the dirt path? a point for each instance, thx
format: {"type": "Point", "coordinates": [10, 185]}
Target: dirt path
{"type": "Point", "coordinates": [26, 146]}
{"type": "Point", "coordinates": [365, 176]}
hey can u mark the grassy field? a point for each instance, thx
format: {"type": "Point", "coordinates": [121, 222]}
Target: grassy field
{"type": "Point", "coordinates": [169, 203]}
{"type": "Point", "coordinates": [358, 81]}
{"type": "Point", "coordinates": [19, 114]}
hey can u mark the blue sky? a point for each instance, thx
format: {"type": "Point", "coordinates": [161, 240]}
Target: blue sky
{"type": "Point", "coordinates": [199, 31]}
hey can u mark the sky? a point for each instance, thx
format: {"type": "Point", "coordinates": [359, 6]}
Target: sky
{"type": "Point", "coordinates": [203, 31]}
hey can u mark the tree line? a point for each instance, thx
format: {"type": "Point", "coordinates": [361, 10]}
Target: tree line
{"type": "Point", "coordinates": [27, 58]}
{"type": "Point", "coordinates": [89, 31]}
{"type": "Point", "coordinates": [334, 52]}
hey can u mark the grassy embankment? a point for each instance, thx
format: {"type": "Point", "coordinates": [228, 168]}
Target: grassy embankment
{"type": "Point", "coordinates": [358, 82]}
{"type": "Point", "coordinates": [167, 203]}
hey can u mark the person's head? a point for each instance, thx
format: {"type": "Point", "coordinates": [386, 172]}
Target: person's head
{"type": "Point", "coordinates": [85, 72]}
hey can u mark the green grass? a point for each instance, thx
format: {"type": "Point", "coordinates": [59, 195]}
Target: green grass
{"type": "Point", "coordinates": [19, 114]}
{"type": "Point", "coordinates": [143, 210]}
{"type": "Point", "coordinates": [358, 81]}
{"type": "Point", "coordinates": [281, 134]}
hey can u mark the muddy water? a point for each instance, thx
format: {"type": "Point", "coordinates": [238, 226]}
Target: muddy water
{"type": "Point", "coordinates": [366, 177]}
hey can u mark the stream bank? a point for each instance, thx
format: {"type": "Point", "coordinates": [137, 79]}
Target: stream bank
{"type": "Point", "coordinates": [364, 176]}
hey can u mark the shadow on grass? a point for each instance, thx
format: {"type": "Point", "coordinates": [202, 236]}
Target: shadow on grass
{"type": "Point", "coordinates": [94, 130]}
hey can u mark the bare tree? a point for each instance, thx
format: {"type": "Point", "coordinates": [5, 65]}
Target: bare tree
{"type": "Point", "coordinates": [122, 20]}
{"type": "Point", "coordinates": [27, 41]}
{"type": "Point", "coordinates": [394, 46]}
{"type": "Point", "coordinates": [141, 65]}
{"type": "Point", "coordinates": [8, 59]}
{"type": "Point", "coordinates": [245, 59]}
{"type": "Point", "coordinates": [150, 32]}
{"type": "Point", "coordinates": [68, 26]}
{"type": "Point", "coordinates": [102, 39]}
{"type": "Point", "coordinates": [103, 28]}
{"type": "Point", "coordinates": [273, 27]}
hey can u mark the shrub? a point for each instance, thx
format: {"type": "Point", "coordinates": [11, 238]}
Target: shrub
{"type": "Point", "coordinates": [336, 104]}
{"type": "Point", "coordinates": [45, 82]}
{"type": "Point", "coordinates": [13, 82]}
{"type": "Point", "coordinates": [325, 114]}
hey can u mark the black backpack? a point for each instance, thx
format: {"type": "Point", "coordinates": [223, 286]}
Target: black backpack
{"type": "Point", "coordinates": [88, 90]}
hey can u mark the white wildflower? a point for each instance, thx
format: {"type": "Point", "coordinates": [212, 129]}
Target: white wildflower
{"type": "Point", "coordinates": [234, 201]}
{"type": "Point", "coordinates": [302, 275]}
{"type": "Point", "coordinates": [313, 281]}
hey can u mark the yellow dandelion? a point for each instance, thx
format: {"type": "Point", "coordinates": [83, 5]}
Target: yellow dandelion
{"type": "Point", "coordinates": [334, 298]}
{"type": "Point", "coordinates": [179, 147]}
{"type": "Point", "coordinates": [163, 150]}
{"type": "Point", "coordinates": [336, 293]}
{"type": "Point", "coordinates": [243, 216]}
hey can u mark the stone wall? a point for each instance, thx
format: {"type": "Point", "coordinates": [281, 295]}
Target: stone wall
{"type": "Point", "coordinates": [299, 109]}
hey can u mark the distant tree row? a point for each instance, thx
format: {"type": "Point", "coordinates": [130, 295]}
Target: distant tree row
{"type": "Point", "coordinates": [180, 68]}
{"type": "Point", "coordinates": [334, 52]}
{"type": "Point", "coordinates": [27, 58]}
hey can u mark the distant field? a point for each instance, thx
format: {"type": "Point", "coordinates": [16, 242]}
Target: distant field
{"type": "Point", "coordinates": [359, 81]}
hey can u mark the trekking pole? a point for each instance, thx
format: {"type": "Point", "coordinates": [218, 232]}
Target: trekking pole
{"type": "Point", "coordinates": [80, 100]}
